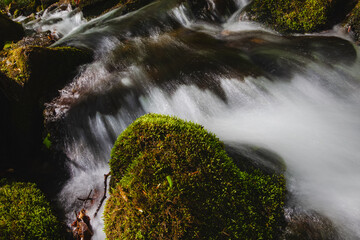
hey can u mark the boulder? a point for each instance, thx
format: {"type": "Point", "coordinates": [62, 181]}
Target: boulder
{"type": "Point", "coordinates": [171, 179]}
{"type": "Point", "coordinates": [10, 30]}
{"type": "Point", "coordinates": [212, 10]}
{"type": "Point", "coordinates": [39, 72]}
{"type": "Point", "coordinates": [26, 214]}
{"type": "Point", "coordinates": [29, 77]}
{"type": "Point", "coordinates": [298, 16]}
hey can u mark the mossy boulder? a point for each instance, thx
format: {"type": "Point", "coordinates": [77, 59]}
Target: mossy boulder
{"type": "Point", "coordinates": [39, 72]}
{"type": "Point", "coordinates": [297, 15]}
{"type": "Point", "coordinates": [26, 214]}
{"type": "Point", "coordinates": [10, 30]}
{"type": "Point", "coordinates": [352, 22]}
{"type": "Point", "coordinates": [171, 179]}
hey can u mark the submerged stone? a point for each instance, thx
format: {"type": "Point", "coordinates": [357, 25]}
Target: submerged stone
{"type": "Point", "coordinates": [171, 179]}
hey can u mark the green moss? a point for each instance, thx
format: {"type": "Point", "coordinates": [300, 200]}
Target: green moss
{"type": "Point", "coordinates": [171, 179]}
{"type": "Point", "coordinates": [293, 16]}
{"type": "Point", "coordinates": [353, 21]}
{"type": "Point", "coordinates": [24, 7]}
{"type": "Point", "coordinates": [26, 214]}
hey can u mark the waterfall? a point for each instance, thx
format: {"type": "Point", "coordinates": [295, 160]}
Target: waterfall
{"type": "Point", "coordinates": [297, 96]}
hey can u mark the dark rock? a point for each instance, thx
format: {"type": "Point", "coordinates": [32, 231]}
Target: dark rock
{"type": "Point", "coordinates": [10, 30]}
{"type": "Point", "coordinates": [95, 8]}
{"type": "Point", "coordinates": [29, 77]}
{"type": "Point", "coordinates": [308, 225]}
{"type": "Point", "coordinates": [209, 10]}
{"type": "Point", "coordinates": [41, 71]}
{"type": "Point", "coordinates": [248, 158]}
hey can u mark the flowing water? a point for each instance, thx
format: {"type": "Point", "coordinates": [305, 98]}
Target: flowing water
{"type": "Point", "coordinates": [297, 96]}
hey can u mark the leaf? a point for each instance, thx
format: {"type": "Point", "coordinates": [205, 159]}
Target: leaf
{"type": "Point", "coordinates": [47, 141]}
{"type": "Point", "coordinates": [168, 178]}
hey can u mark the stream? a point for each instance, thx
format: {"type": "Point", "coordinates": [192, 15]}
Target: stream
{"type": "Point", "coordinates": [297, 96]}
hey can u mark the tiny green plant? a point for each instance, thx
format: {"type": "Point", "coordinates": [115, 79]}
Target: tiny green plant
{"type": "Point", "coordinates": [47, 141]}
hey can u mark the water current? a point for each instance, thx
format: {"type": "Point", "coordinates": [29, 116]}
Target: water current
{"type": "Point", "coordinates": [297, 96]}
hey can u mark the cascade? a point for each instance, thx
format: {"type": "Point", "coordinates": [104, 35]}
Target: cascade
{"type": "Point", "coordinates": [297, 96]}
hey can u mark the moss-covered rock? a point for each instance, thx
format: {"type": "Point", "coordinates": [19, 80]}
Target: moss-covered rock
{"type": "Point", "coordinates": [172, 179]}
{"type": "Point", "coordinates": [24, 7]}
{"type": "Point", "coordinates": [352, 22]}
{"type": "Point", "coordinates": [296, 15]}
{"type": "Point", "coordinates": [10, 30]}
{"type": "Point", "coordinates": [40, 71]}
{"type": "Point", "coordinates": [26, 214]}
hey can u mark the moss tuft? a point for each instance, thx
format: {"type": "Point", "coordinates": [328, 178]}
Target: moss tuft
{"type": "Point", "coordinates": [26, 214]}
{"type": "Point", "coordinates": [171, 179]}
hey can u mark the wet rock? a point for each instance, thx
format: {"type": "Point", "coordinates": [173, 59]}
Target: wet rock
{"type": "Point", "coordinates": [308, 225]}
{"type": "Point", "coordinates": [95, 8]}
{"type": "Point", "coordinates": [248, 158]}
{"type": "Point", "coordinates": [30, 76]}
{"type": "Point", "coordinates": [10, 30]}
{"type": "Point", "coordinates": [209, 10]}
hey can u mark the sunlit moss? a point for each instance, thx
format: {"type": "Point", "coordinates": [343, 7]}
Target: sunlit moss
{"type": "Point", "coordinates": [171, 179]}
{"type": "Point", "coordinates": [26, 214]}
{"type": "Point", "coordinates": [292, 16]}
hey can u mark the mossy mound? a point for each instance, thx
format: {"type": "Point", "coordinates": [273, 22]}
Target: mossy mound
{"type": "Point", "coordinates": [293, 16]}
{"type": "Point", "coordinates": [26, 214]}
{"type": "Point", "coordinates": [172, 179]}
